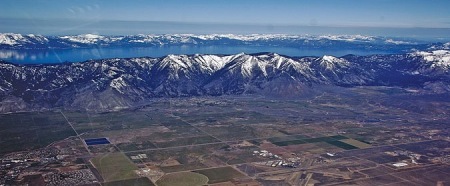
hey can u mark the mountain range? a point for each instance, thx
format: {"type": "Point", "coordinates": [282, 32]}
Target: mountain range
{"type": "Point", "coordinates": [31, 41]}
{"type": "Point", "coordinates": [120, 83]}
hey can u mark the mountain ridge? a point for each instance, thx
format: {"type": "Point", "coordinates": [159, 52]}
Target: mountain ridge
{"type": "Point", "coordinates": [31, 41]}
{"type": "Point", "coordinates": [123, 82]}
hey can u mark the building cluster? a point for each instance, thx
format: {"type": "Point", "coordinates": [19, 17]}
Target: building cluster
{"type": "Point", "coordinates": [35, 154]}
{"type": "Point", "coordinates": [405, 153]}
{"type": "Point", "coordinates": [278, 160]}
{"type": "Point", "coordinates": [76, 177]}
{"type": "Point", "coordinates": [11, 169]}
{"type": "Point", "coordinates": [414, 157]}
{"type": "Point", "coordinates": [18, 167]}
{"type": "Point", "coordinates": [139, 157]}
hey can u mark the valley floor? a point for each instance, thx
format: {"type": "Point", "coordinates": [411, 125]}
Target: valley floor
{"type": "Point", "coordinates": [351, 136]}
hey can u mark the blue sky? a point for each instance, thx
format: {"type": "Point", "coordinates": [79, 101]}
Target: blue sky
{"type": "Point", "coordinates": [59, 16]}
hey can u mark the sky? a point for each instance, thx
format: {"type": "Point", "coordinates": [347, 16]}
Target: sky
{"type": "Point", "coordinates": [218, 16]}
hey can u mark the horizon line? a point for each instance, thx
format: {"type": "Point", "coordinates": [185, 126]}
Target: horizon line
{"type": "Point", "coordinates": [233, 23]}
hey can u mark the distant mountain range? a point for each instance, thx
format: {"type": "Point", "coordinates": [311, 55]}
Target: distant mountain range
{"type": "Point", "coordinates": [119, 83]}
{"type": "Point", "coordinates": [19, 41]}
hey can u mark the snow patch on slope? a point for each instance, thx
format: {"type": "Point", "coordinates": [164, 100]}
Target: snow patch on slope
{"type": "Point", "coordinates": [447, 45]}
{"type": "Point", "coordinates": [118, 84]}
{"type": "Point", "coordinates": [349, 38]}
{"type": "Point", "coordinates": [212, 63]}
{"type": "Point", "coordinates": [191, 38]}
{"type": "Point", "coordinates": [391, 41]}
{"type": "Point", "coordinates": [90, 38]}
{"type": "Point", "coordinates": [17, 39]}
{"type": "Point", "coordinates": [330, 62]}
{"type": "Point", "coordinates": [87, 38]}
{"type": "Point", "coordinates": [438, 58]}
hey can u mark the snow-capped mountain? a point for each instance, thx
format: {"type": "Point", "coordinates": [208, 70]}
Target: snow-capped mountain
{"type": "Point", "coordinates": [18, 41]}
{"type": "Point", "coordinates": [118, 83]}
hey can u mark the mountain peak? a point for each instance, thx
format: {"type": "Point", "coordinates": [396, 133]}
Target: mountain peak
{"type": "Point", "coordinates": [330, 59]}
{"type": "Point", "coordinates": [330, 62]}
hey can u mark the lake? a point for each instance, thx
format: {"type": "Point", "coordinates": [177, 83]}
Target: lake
{"type": "Point", "coordinates": [30, 56]}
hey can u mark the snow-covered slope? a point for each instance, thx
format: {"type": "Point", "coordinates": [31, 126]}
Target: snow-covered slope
{"type": "Point", "coordinates": [331, 62]}
{"type": "Point", "coordinates": [87, 38]}
{"type": "Point", "coordinates": [18, 41]}
{"type": "Point", "coordinates": [118, 83]}
{"type": "Point", "coordinates": [437, 58]}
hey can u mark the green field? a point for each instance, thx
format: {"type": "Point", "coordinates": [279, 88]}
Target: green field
{"type": "Point", "coordinates": [183, 167]}
{"type": "Point", "coordinates": [133, 182]}
{"type": "Point", "coordinates": [308, 140]}
{"type": "Point", "coordinates": [182, 179]}
{"type": "Point", "coordinates": [27, 131]}
{"type": "Point", "coordinates": [84, 122]}
{"type": "Point", "coordinates": [221, 174]}
{"type": "Point", "coordinates": [286, 138]}
{"type": "Point", "coordinates": [114, 167]}
{"type": "Point", "coordinates": [356, 143]}
{"type": "Point", "coordinates": [186, 141]}
{"type": "Point", "coordinates": [136, 146]}
{"type": "Point", "coordinates": [228, 116]}
{"type": "Point", "coordinates": [342, 145]}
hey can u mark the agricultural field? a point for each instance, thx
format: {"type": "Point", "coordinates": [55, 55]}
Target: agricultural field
{"type": "Point", "coordinates": [114, 166]}
{"type": "Point", "coordinates": [343, 138]}
{"type": "Point", "coordinates": [182, 178]}
{"type": "Point", "coordinates": [135, 182]}
{"type": "Point", "coordinates": [27, 131]}
{"type": "Point", "coordinates": [221, 174]}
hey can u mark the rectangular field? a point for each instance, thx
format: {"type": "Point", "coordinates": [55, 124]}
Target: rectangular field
{"type": "Point", "coordinates": [298, 140]}
{"type": "Point", "coordinates": [114, 167]}
{"type": "Point", "coordinates": [342, 145]}
{"type": "Point", "coordinates": [356, 143]}
{"type": "Point", "coordinates": [133, 182]}
{"type": "Point", "coordinates": [31, 130]}
{"type": "Point", "coordinates": [221, 174]}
